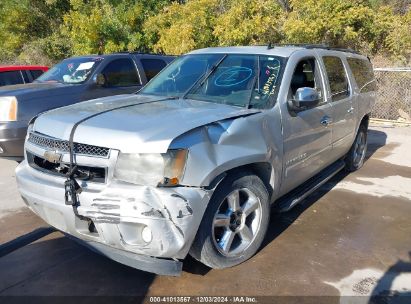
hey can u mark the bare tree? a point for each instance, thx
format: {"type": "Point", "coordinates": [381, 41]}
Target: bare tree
{"type": "Point", "coordinates": [285, 4]}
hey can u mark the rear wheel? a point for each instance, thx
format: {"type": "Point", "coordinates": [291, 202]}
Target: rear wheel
{"type": "Point", "coordinates": [356, 156]}
{"type": "Point", "coordinates": [235, 222]}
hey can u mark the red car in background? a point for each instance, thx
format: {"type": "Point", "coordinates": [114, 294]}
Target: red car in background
{"type": "Point", "coordinates": [10, 75]}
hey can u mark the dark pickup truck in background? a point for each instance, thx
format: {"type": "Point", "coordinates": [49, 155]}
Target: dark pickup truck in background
{"type": "Point", "coordinates": [71, 81]}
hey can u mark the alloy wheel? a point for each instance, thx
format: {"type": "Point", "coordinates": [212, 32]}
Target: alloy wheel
{"type": "Point", "coordinates": [236, 222]}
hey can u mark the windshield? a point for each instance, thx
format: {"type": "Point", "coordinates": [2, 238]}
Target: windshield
{"type": "Point", "coordinates": [235, 79]}
{"type": "Point", "coordinates": [72, 70]}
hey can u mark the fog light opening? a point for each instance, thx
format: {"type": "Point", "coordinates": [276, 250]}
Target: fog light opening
{"type": "Point", "coordinates": [1, 150]}
{"type": "Point", "coordinates": [147, 235]}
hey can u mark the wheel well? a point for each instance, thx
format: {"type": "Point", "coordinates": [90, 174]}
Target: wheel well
{"type": "Point", "coordinates": [263, 170]}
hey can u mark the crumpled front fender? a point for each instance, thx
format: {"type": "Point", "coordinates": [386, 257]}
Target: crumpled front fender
{"type": "Point", "coordinates": [227, 144]}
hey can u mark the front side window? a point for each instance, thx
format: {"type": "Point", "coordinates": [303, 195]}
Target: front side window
{"type": "Point", "coordinates": [238, 80]}
{"type": "Point", "coordinates": [337, 78]}
{"type": "Point", "coordinates": [36, 73]}
{"type": "Point", "coordinates": [121, 73]}
{"type": "Point", "coordinates": [71, 71]}
{"type": "Point", "coordinates": [152, 67]}
{"type": "Point", "coordinates": [10, 78]}
{"type": "Point", "coordinates": [363, 74]}
{"type": "Point", "coordinates": [306, 75]}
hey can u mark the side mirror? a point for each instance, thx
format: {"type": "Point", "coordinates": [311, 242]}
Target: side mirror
{"type": "Point", "coordinates": [305, 98]}
{"type": "Point", "coordinates": [100, 80]}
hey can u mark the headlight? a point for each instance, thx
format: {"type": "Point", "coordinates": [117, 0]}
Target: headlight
{"type": "Point", "coordinates": [8, 108]}
{"type": "Point", "coordinates": [152, 169]}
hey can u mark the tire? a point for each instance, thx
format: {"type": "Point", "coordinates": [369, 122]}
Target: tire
{"type": "Point", "coordinates": [354, 159]}
{"type": "Point", "coordinates": [228, 237]}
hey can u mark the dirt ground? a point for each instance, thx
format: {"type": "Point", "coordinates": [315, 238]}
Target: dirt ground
{"type": "Point", "coordinates": [350, 238]}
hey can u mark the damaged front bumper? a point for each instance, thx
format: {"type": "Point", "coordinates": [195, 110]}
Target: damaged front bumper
{"type": "Point", "coordinates": [120, 214]}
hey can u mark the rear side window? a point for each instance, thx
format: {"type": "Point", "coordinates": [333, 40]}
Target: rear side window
{"type": "Point", "coordinates": [121, 73]}
{"type": "Point", "coordinates": [36, 73]}
{"type": "Point", "coordinates": [10, 78]}
{"type": "Point", "coordinates": [363, 74]}
{"type": "Point", "coordinates": [337, 77]}
{"type": "Point", "coordinates": [152, 67]}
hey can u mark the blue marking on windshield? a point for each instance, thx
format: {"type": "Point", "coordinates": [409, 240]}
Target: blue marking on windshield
{"type": "Point", "coordinates": [233, 76]}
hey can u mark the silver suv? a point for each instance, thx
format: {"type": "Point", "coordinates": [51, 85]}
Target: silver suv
{"type": "Point", "coordinates": [192, 163]}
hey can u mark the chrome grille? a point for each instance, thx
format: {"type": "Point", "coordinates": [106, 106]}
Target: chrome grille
{"type": "Point", "coordinates": [64, 146]}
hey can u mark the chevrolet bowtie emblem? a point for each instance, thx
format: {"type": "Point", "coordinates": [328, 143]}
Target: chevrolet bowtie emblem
{"type": "Point", "coordinates": [52, 156]}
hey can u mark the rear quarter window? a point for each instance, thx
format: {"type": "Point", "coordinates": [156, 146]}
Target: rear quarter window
{"type": "Point", "coordinates": [363, 74]}
{"type": "Point", "coordinates": [10, 78]}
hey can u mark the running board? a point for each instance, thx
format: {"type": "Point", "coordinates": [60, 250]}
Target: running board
{"type": "Point", "coordinates": [296, 196]}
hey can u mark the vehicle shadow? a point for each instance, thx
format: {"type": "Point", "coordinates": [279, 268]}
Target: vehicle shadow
{"type": "Point", "coordinates": [383, 293]}
{"type": "Point", "coordinates": [61, 267]}
{"type": "Point", "coordinates": [279, 222]}
{"type": "Point", "coordinates": [376, 140]}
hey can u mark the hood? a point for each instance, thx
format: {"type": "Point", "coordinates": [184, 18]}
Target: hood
{"type": "Point", "coordinates": [148, 125]}
{"type": "Point", "coordinates": [35, 89]}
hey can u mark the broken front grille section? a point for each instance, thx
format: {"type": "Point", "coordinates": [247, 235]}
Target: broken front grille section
{"type": "Point", "coordinates": [64, 146]}
{"type": "Point", "coordinates": [83, 173]}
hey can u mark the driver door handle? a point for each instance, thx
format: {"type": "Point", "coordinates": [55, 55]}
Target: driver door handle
{"type": "Point", "coordinates": [325, 121]}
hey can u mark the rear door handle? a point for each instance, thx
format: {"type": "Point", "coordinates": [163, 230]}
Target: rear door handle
{"type": "Point", "coordinates": [350, 110]}
{"type": "Point", "coordinates": [325, 121]}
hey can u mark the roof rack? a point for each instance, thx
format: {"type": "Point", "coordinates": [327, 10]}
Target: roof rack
{"type": "Point", "coordinates": [312, 46]}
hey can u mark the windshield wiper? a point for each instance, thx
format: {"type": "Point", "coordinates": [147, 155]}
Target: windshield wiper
{"type": "Point", "coordinates": [200, 81]}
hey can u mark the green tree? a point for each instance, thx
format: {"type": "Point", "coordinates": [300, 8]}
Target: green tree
{"type": "Point", "coordinates": [24, 21]}
{"type": "Point", "coordinates": [43, 31]}
{"type": "Point", "coordinates": [107, 25]}
{"type": "Point", "coordinates": [352, 23]}
{"type": "Point", "coordinates": [397, 42]}
{"type": "Point", "coordinates": [180, 28]}
{"type": "Point", "coordinates": [250, 22]}
{"type": "Point", "coordinates": [337, 23]}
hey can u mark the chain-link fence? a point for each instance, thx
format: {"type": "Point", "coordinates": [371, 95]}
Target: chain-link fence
{"type": "Point", "coordinates": [394, 94]}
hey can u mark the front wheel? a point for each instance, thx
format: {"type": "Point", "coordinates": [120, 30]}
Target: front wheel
{"type": "Point", "coordinates": [235, 222]}
{"type": "Point", "coordinates": [356, 156]}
